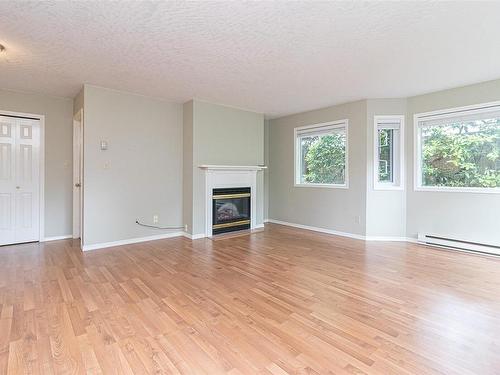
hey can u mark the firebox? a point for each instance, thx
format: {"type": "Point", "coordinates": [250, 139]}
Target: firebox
{"type": "Point", "coordinates": [230, 209]}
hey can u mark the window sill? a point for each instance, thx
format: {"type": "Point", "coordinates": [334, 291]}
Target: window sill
{"type": "Point", "coordinates": [327, 186]}
{"type": "Point", "coordinates": [444, 189]}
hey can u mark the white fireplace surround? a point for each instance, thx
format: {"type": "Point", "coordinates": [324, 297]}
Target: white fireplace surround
{"type": "Point", "coordinates": [230, 176]}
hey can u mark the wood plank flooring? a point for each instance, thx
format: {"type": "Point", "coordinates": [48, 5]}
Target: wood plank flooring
{"type": "Point", "coordinates": [280, 301]}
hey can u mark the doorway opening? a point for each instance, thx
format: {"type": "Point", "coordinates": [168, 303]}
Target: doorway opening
{"type": "Point", "coordinates": [78, 176]}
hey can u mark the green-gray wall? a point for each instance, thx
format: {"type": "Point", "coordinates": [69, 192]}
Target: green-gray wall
{"type": "Point", "coordinates": [187, 166]}
{"type": "Point", "coordinates": [472, 216]}
{"type": "Point", "coordinates": [266, 171]}
{"type": "Point", "coordinates": [223, 136]}
{"type": "Point", "coordinates": [149, 140]}
{"type": "Point", "coordinates": [385, 209]}
{"type": "Point", "coordinates": [140, 174]}
{"type": "Point", "coordinates": [326, 208]}
{"type": "Point", "coordinates": [395, 214]}
{"type": "Point", "coordinates": [58, 114]}
{"type": "Point", "coordinates": [78, 102]}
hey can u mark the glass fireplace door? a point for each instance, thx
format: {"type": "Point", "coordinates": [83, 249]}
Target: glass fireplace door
{"type": "Point", "coordinates": [230, 209]}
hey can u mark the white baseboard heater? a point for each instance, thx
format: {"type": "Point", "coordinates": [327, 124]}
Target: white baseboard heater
{"type": "Point", "coordinates": [433, 239]}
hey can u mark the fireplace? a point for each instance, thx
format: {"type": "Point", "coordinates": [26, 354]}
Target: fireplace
{"type": "Point", "coordinates": [234, 177]}
{"type": "Point", "coordinates": [231, 209]}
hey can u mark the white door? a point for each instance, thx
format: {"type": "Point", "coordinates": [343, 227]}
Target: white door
{"type": "Point", "coordinates": [19, 180]}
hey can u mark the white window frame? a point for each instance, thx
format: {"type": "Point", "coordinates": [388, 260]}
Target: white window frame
{"type": "Point", "coordinates": [339, 124]}
{"type": "Point", "coordinates": [417, 146]}
{"type": "Point", "coordinates": [398, 157]}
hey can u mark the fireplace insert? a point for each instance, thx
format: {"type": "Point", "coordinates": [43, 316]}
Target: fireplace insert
{"type": "Point", "coordinates": [230, 209]}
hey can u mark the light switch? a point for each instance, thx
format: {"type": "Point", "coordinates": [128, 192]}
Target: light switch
{"type": "Point", "coordinates": [104, 145]}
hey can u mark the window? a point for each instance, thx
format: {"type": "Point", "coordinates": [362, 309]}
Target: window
{"type": "Point", "coordinates": [388, 157]}
{"type": "Point", "coordinates": [458, 149]}
{"type": "Point", "coordinates": [321, 155]}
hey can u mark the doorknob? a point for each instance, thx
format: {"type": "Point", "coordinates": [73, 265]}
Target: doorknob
{"type": "Point", "coordinates": [78, 184]}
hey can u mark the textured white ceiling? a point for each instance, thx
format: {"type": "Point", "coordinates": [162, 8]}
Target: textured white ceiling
{"type": "Point", "coordinates": [271, 57]}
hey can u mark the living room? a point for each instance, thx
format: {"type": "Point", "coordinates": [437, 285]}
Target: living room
{"type": "Point", "coordinates": [241, 188]}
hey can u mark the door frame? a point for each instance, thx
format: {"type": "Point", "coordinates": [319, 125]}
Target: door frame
{"type": "Point", "coordinates": [78, 118]}
{"type": "Point", "coordinates": [41, 167]}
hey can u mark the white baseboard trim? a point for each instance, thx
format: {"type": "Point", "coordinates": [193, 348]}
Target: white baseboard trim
{"type": "Point", "coordinates": [202, 235]}
{"type": "Point", "coordinates": [56, 238]}
{"type": "Point", "coordinates": [386, 238]}
{"type": "Point", "coordinates": [104, 245]}
{"type": "Point", "coordinates": [345, 234]}
{"type": "Point", "coordinates": [194, 236]}
{"type": "Point", "coordinates": [316, 229]}
{"type": "Point", "coordinates": [412, 240]}
{"type": "Point", "coordinates": [131, 241]}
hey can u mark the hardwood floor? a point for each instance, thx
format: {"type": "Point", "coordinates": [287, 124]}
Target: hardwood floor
{"type": "Point", "coordinates": [280, 301]}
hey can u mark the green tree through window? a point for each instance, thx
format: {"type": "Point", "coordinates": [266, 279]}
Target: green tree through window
{"type": "Point", "coordinates": [385, 156]}
{"type": "Point", "coordinates": [323, 159]}
{"type": "Point", "coordinates": [461, 154]}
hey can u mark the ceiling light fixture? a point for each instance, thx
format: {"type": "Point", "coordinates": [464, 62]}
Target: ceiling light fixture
{"type": "Point", "coordinates": [2, 48]}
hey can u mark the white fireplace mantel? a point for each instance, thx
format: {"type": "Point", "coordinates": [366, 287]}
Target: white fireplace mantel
{"type": "Point", "coordinates": [227, 176]}
{"type": "Point", "coordinates": [233, 167]}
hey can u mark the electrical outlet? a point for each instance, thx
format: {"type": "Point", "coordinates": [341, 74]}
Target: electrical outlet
{"type": "Point", "coordinates": [357, 219]}
{"type": "Point", "coordinates": [155, 219]}
{"type": "Point", "coordinates": [185, 227]}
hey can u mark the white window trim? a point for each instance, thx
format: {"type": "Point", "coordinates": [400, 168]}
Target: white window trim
{"type": "Point", "coordinates": [417, 146]}
{"type": "Point", "coordinates": [377, 185]}
{"type": "Point", "coordinates": [296, 155]}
